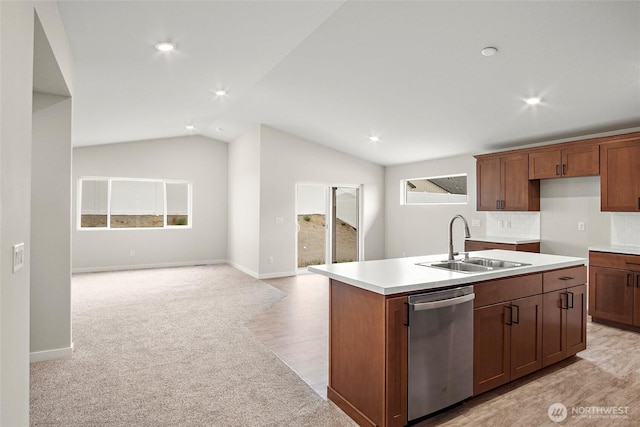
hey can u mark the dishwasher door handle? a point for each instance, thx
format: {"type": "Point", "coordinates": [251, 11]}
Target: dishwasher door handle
{"type": "Point", "coordinates": [442, 303]}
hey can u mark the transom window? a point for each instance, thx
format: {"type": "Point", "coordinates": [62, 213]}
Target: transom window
{"type": "Point", "coordinates": [116, 203]}
{"type": "Point", "coordinates": [451, 189]}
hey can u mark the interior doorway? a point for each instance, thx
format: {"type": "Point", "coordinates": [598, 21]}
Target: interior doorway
{"type": "Point", "coordinates": [327, 224]}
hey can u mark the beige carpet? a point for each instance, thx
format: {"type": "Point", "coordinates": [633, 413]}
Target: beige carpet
{"type": "Point", "coordinates": [169, 347]}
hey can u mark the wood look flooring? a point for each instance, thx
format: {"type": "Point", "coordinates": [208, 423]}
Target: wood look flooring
{"type": "Point", "coordinates": [603, 378]}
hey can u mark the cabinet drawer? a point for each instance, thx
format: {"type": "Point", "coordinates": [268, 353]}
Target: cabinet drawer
{"type": "Point", "coordinates": [496, 291]}
{"type": "Point", "coordinates": [565, 278]}
{"type": "Point", "coordinates": [613, 260]}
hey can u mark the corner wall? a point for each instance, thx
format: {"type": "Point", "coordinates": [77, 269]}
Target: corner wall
{"type": "Point", "coordinates": [195, 158]}
{"type": "Point", "coordinates": [286, 160]}
{"type": "Point", "coordinates": [413, 230]}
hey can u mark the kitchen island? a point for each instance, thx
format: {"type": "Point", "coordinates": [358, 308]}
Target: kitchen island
{"type": "Point", "coordinates": [368, 329]}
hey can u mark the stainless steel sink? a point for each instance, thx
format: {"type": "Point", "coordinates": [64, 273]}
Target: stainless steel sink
{"type": "Point", "coordinates": [495, 263]}
{"type": "Point", "coordinates": [460, 266]}
{"type": "Point", "coordinates": [473, 265]}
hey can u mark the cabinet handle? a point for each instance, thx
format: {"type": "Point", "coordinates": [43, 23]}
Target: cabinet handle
{"type": "Point", "coordinates": [557, 169]}
{"type": "Point", "coordinates": [517, 321]}
{"type": "Point", "coordinates": [510, 321]}
{"type": "Point", "coordinates": [564, 302]}
{"type": "Point", "coordinates": [564, 169]}
{"type": "Point", "coordinates": [629, 279]}
{"type": "Point", "coordinates": [570, 305]}
{"type": "Point", "coordinates": [501, 204]}
{"type": "Point", "coordinates": [638, 202]}
{"type": "Point", "coordinates": [638, 281]}
{"type": "Point", "coordinates": [497, 204]}
{"type": "Point", "coordinates": [566, 278]}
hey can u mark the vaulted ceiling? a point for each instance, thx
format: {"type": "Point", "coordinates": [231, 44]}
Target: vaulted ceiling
{"type": "Point", "coordinates": [410, 73]}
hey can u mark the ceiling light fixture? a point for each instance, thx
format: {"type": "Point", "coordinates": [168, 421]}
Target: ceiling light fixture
{"type": "Point", "coordinates": [489, 51]}
{"type": "Point", "coordinates": [189, 127]}
{"type": "Point", "coordinates": [220, 92]}
{"type": "Point", "coordinates": [534, 100]}
{"type": "Point", "coordinates": [165, 46]}
{"type": "Point", "coordinates": [374, 139]}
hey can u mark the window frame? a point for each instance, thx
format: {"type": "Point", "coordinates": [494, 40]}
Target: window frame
{"type": "Point", "coordinates": [403, 191]}
{"type": "Point", "coordinates": [110, 180]}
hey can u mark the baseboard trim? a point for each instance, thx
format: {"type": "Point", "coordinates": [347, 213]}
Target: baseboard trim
{"type": "Point", "coordinates": [243, 269]}
{"type": "Point", "coordinates": [277, 275]}
{"type": "Point", "coordinates": [146, 266]}
{"type": "Point", "coordinates": [57, 353]}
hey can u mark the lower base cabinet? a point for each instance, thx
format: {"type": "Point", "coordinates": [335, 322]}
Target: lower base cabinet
{"type": "Point", "coordinates": [564, 323]}
{"type": "Point", "coordinates": [525, 323]}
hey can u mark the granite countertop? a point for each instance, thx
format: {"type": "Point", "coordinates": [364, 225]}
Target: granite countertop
{"type": "Point", "coordinates": [502, 239]}
{"type": "Point", "coordinates": [628, 250]}
{"type": "Point", "coordinates": [398, 275]}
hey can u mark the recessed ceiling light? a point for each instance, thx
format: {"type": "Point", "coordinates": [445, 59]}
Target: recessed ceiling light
{"type": "Point", "coordinates": [165, 46]}
{"type": "Point", "coordinates": [489, 51]}
{"type": "Point", "coordinates": [534, 100]}
{"type": "Point", "coordinates": [220, 92]}
{"type": "Point", "coordinates": [374, 139]}
{"type": "Point", "coordinates": [220, 129]}
{"type": "Point", "coordinates": [189, 127]}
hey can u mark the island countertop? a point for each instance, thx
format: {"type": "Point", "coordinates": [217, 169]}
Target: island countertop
{"type": "Point", "coordinates": [399, 275]}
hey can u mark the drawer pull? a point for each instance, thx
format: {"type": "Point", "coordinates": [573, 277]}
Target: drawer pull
{"type": "Point", "coordinates": [557, 169]}
{"type": "Point", "coordinates": [566, 278]}
{"type": "Point", "coordinates": [638, 281]}
{"type": "Point", "coordinates": [564, 169]}
{"type": "Point", "coordinates": [629, 279]}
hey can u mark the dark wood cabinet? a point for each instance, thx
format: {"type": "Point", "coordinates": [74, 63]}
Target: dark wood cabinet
{"type": "Point", "coordinates": [507, 330]}
{"type": "Point", "coordinates": [479, 245]}
{"type": "Point", "coordinates": [564, 160]}
{"type": "Point", "coordinates": [620, 176]}
{"type": "Point", "coordinates": [564, 329]}
{"type": "Point", "coordinates": [503, 183]}
{"type": "Point", "coordinates": [368, 355]}
{"type": "Point", "coordinates": [614, 288]}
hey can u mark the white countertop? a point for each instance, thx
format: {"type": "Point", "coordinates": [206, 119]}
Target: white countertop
{"type": "Point", "coordinates": [503, 239]}
{"type": "Point", "coordinates": [628, 250]}
{"type": "Point", "coordinates": [398, 275]}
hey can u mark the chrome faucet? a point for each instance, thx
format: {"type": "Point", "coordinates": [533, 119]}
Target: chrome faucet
{"type": "Point", "coordinates": [466, 234]}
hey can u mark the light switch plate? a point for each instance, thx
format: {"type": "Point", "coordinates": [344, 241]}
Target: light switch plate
{"type": "Point", "coordinates": [18, 257]}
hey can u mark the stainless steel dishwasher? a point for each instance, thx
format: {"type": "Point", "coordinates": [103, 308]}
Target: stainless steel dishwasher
{"type": "Point", "coordinates": [440, 350]}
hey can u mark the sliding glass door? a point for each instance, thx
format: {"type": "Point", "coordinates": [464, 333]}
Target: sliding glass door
{"type": "Point", "coordinates": [328, 224]}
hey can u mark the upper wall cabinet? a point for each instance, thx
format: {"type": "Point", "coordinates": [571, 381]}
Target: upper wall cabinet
{"type": "Point", "coordinates": [503, 183]}
{"type": "Point", "coordinates": [620, 175]}
{"type": "Point", "coordinates": [564, 160]}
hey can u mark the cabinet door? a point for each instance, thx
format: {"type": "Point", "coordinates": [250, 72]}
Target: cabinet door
{"type": "Point", "coordinates": [519, 194]}
{"type": "Point", "coordinates": [620, 176]}
{"type": "Point", "coordinates": [491, 347]}
{"type": "Point", "coordinates": [545, 164]}
{"type": "Point", "coordinates": [396, 375]}
{"type": "Point", "coordinates": [576, 324]}
{"type": "Point", "coordinates": [611, 294]}
{"type": "Point", "coordinates": [526, 336]}
{"type": "Point", "coordinates": [488, 192]}
{"type": "Point", "coordinates": [582, 160]}
{"type": "Point", "coordinates": [554, 331]}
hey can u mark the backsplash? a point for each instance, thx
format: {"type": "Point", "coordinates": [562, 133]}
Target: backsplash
{"type": "Point", "coordinates": [514, 224]}
{"type": "Point", "coordinates": [625, 229]}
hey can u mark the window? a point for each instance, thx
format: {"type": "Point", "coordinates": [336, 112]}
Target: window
{"type": "Point", "coordinates": [116, 203]}
{"type": "Point", "coordinates": [450, 189]}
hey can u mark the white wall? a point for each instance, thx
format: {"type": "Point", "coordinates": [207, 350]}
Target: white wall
{"type": "Point", "coordinates": [51, 227]}
{"type": "Point", "coordinates": [16, 87]}
{"type": "Point", "coordinates": [419, 230]}
{"type": "Point", "coordinates": [565, 202]}
{"type": "Point", "coordinates": [193, 158]}
{"type": "Point", "coordinates": [244, 202]}
{"type": "Point", "coordinates": [285, 161]}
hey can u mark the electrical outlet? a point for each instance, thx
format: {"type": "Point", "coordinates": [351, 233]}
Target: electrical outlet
{"type": "Point", "coordinates": [132, 253]}
{"type": "Point", "coordinates": [508, 223]}
{"type": "Point", "coordinates": [270, 260]}
{"type": "Point", "coordinates": [500, 224]}
{"type": "Point", "coordinates": [475, 223]}
{"type": "Point", "coordinates": [404, 254]}
{"type": "Point", "coordinates": [18, 257]}
{"type": "Point", "coordinates": [581, 226]}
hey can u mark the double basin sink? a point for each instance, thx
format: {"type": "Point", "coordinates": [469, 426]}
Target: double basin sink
{"type": "Point", "coordinates": [473, 265]}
